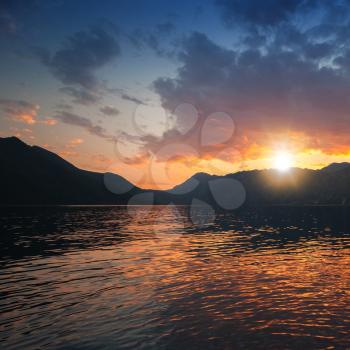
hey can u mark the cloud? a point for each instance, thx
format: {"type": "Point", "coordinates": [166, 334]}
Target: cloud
{"type": "Point", "coordinates": [81, 55]}
{"type": "Point", "coordinates": [154, 38]}
{"type": "Point", "coordinates": [85, 123]}
{"type": "Point", "coordinates": [68, 153]}
{"type": "Point", "coordinates": [257, 12]}
{"type": "Point", "coordinates": [132, 99]}
{"type": "Point", "coordinates": [75, 142]}
{"type": "Point", "coordinates": [23, 133]}
{"type": "Point", "coordinates": [265, 91]}
{"type": "Point", "coordinates": [99, 163]}
{"type": "Point", "coordinates": [110, 110]}
{"type": "Point", "coordinates": [21, 111]}
{"type": "Point", "coordinates": [81, 95]}
{"type": "Point", "coordinates": [24, 112]}
{"type": "Point", "coordinates": [64, 106]}
{"type": "Point", "coordinates": [165, 28]}
{"type": "Point", "coordinates": [49, 121]}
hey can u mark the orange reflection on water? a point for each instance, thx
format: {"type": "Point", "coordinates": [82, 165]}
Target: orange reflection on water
{"type": "Point", "coordinates": [162, 282]}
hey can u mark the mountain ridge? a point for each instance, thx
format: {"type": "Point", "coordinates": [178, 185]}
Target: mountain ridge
{"type": "Point", "coordinates": [34, 175]}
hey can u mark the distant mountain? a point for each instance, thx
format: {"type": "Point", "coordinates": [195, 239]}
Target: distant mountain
{"type": "Point", "coordinates": [336, 167]}
{"type": "Point", "coordinates": [191, 184]}
{"type": "Point", "coordinates": [33, 175]}
{"type": "Point", "coordinates": [327, 186]}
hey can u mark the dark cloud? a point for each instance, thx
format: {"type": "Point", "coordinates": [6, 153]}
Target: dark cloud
{"type": "Point", "coordinates": [85, 123]}
{"type": "Point", "coordinates": [64, 106]}
{"type": "Point", "coordinates": [204, 65]}
{"type": "Point", "coordinates": [154, 38]}
{"type": "Point", "coordinates": [132, 99]}
{"type": "Point", "coordinates": [151, 39]}
{"type": "Point", "coordinates": [81, 55]}
{"type": "Point", "coordinates": [154, 43]}
{"type": "Point", "coordinates": [318, 50]}
{"type": "Point", "coordinates": [272, 14]}
{"type": "Point", "coordinates": [11, 106]}
{"type": "Point", "coordinates": [166, 28]}
{"type": "Point", "coordinates": [263, 90]}
{"type": "Point", "coordinates": [81, 95]}
{"type": "Point", "coordinates": [110, 110]}
{"type": "Point", "coordinates": [266, 12]}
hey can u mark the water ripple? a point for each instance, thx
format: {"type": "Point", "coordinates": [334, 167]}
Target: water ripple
{"type": "Point", "coordinates": [103, 278]}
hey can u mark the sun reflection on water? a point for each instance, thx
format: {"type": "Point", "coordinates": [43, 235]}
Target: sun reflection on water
{"type": "Point", "coordinates": [159, 282]}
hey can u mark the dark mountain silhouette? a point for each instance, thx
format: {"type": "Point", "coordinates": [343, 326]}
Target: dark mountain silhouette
{"type": "Point", "coordinates": [336, 167]}
{"type": "Point", "coordinates": [33, 175]}
{"type": "Point", "coordinates": [327, 186]}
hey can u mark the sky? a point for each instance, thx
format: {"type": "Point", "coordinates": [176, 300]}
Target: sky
{"type": "Point", "coordinates": [159, 90]}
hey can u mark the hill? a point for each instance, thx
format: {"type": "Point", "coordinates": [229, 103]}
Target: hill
{"type": "Point", "coordinates": [327, 186]}
{"type": "Point", "coordinates": [33, 175]}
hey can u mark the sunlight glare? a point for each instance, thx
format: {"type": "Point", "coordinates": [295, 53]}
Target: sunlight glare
{"type": "Point", "coordinates": [282, 161]}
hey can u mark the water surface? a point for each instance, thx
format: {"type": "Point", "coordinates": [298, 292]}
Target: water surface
{"type": "Point", "coordinates": [148, 278]}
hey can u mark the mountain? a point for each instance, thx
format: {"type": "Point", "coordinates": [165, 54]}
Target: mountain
{"type": "Point", "coordinates": [336, 167]}
{"type": "Point", "coordinates": [327, 186]}
{"type": "Point", "coordinates": [33, 175]}
{"type": "Point", "coordinates": [191, 184]}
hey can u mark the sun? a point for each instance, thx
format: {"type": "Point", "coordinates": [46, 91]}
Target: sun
{"type": "Point", "coordinates": [282, 161]}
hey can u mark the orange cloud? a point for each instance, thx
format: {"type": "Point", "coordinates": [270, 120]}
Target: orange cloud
{"type": "Point", "coordinates": [26, 118]}
{"type": "Point", "coordinates": [66, 153]}
{"type": "Point", "coordinates": [49, 122]}
{"type": "Point", "coordinates": [21, 111]}
{"type": "Point", "coordinates": [75, 142]}
{"type": "Point", "coordinates": [24, 112]}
